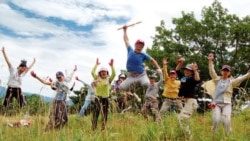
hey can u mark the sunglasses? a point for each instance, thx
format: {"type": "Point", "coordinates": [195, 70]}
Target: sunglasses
{"type": "Point", "coordinates": [58, 77]}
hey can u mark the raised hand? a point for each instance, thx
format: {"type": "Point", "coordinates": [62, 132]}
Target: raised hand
{"type": "Point", "coordinates": [164, 61]}
{"type": "Point", "coordinates": [50, 80]}
{"type": "Point", "coordinates": [111, 62]}
{"type": "Point", "coordinates": [124, 27]}
{"type": "Point", "coordinates": [77, 78]}
{"type": "Point", "coordinates": [75, 69]}
{"type": "Point", "coordinates": [33, 74]}
{"type": "Point", "coordinates": [195, 66]}
{"type": "Point", "coordinates": [210, 57]}
{"type": "Point", "coordinates": [97, 61]}
{"type": "Point", "coordinates": [180, 60]}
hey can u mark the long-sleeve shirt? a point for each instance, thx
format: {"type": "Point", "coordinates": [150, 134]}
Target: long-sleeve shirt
{"type": "Point", "coordinates": [153, 89]}
{"type": "Point", "coordinates": [102, 87]}
{"type": "Point", "coordinates": [171, 87]}
{"type": "Point", "coordinates": [62, 88]}
{"type": "Point", "coordinates": [232, 83]}
{"type": "Point", "coordinates": [91, 91]}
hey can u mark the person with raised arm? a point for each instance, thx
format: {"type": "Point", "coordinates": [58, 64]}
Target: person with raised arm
{"type": "Point", "coordinates": [103, 85]}
{"type": "Point", "coordinates": [58, 115]}
{"type": "Point", "coordinates": [152, 102]}
{"type": "Point", "coordinates": [171, 89]}
{"type": "Point", "coordinates": [135, 63]}
{"type": "Point", "coordinates": [15, 81]}
{"type": "Point", "coordinates": [90, 97]}
{"type": "Point", "coordinates": [224, 84]}
{"type": "Point", "coordinates": [189, 77]}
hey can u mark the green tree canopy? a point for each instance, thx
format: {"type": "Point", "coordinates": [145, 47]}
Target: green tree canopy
{"type": "Point", "coordinates": [224, 34]}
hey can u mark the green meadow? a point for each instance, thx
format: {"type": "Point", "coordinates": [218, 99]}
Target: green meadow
{"type": "Point", "coordinates": [129, 126]}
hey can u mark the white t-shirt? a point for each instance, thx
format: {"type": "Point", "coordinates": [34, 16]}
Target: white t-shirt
{"type": "Point", "coordinates": [15, 80]}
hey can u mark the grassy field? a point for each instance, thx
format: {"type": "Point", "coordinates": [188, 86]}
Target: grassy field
{"type": "Point", "coordinates": [126, 127]}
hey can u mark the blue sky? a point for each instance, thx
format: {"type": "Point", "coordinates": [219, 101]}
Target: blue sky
{"type": "Point", "coordinates": [64, 33]}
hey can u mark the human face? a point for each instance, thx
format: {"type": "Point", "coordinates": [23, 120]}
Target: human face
{"type": "Point", "coordinates": [152, 80]}
{"type": "Point", "coordinates": [138, 48]}
{"type": "Point", "coordinates": [22, 69]}
{"type": "Point", "coordinates": [103, 74]}
{"type": "Point", "coordinates": [188, 72]}
{"type": "Point", "coordinates": [60, 78]}
{"type": "Point", "coordinates": [172, 76]}
{"type": "Point", "coordinates": [225, 73]}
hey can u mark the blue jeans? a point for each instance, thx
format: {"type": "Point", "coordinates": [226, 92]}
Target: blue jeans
{"type": "Point", "coordinates": [84, 107]}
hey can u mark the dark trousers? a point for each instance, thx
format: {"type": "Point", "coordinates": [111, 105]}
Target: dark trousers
{"type": "Point", "coordinates": [14, 92]}
{"type": "Point", "coordinates": [58, 115]}
{"type": "Point", "coordinates": [101, 105]}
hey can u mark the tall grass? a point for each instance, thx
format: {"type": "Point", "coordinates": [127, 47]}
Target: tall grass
{"type": "Point", "coordinates": [126, 127]}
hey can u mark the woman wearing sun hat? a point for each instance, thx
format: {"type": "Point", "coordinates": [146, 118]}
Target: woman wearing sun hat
{"type": "Point", "coordinates": [58, 115]}
{"type": "Point", "coordinates": [103, 83]}
{"type": "Point", "coordinates": [223, 92]}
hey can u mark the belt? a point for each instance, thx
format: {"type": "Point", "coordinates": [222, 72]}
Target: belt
{"type": "Point", "coordinates": [172, 98]}
{"type": "Point", "coordinates": [134, 74]}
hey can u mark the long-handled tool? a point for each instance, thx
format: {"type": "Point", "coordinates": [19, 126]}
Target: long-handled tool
{"type": "Point", "coordinates": [130, 25]}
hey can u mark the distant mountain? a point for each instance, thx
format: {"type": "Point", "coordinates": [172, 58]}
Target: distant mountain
{"type": "Point", "coordinates": [44, 98]}
{"type": "Point", "coordinates": [2, 91]}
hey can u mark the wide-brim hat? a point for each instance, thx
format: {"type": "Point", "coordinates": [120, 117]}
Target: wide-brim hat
{"type": "Point", "coordinates": [189, 67]}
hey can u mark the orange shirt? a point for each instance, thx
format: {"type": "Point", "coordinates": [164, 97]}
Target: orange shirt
{"type": "Point", "coordinates": [171, 87]}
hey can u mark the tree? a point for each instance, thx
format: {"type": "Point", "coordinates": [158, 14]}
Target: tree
{"type": "Point", "coordinates": [224, 34]}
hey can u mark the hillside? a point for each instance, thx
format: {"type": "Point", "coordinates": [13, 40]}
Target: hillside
{"type": "Point", "coordinates": [44, 98]}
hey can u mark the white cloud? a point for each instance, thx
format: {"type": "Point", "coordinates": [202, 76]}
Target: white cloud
{"type": "Point", "coordinates": [65, 47]}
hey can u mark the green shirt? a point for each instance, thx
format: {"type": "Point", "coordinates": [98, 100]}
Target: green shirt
{"type": "Point", "coordinates": [102, 88]}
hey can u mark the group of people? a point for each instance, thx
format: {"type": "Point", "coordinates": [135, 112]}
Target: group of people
{"type": "Point", "coordinates": [179, 88]}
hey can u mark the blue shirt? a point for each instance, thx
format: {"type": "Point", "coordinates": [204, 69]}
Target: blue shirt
{"type": "Point", "coordinates": [135, 61]}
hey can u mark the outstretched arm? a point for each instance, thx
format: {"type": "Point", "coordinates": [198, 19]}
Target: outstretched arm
{"type": "Point", "coordinates": [155, 64]}
{"type": "Point", "coordinates": [6, 58]}
{"type": "Point", "coordinates": [31, 65]}
{"type": "Point", "coordinates": [94, 75]}
{"type": "Point", "coordinates": [165, 69]}
{"type": "Point", "coordinates": [40, 79]}
{"type": "Point", "coordinates": [212, 72]}
{"type": "Point", "coordinates": [125, 36]}
{"type": "Point", "coordinates": [113, 73]}
{"type": "Point", "coordinates": [69, 77]}
{"type": "Point", "coordinates": [196, 73]}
